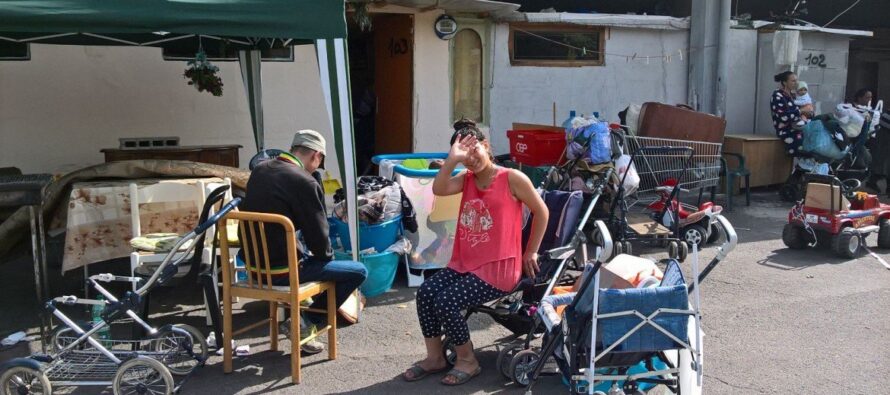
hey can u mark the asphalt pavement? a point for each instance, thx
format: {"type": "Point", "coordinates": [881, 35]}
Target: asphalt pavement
{"type": "Point", "coordinates": [775, 321]}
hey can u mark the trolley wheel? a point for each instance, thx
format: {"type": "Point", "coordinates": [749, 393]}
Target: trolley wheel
{"type": "Point", "coordinates": [522, 366]}
{"type": "Point", "coordinates": [794, 237]}
{"type": "Point", "coordinates": [884, 234]}
{"type": "Point", "coordinates": [695, 235]}
{"type": "Point", "coordinates": [142, 375]}
{"type": "Point", "coordinates": [449, 352]}
{"type": "Point", "coordinates": [617, 249]}
{"type": "Point", "coordinates": [628, 248]}
{"type": "Point", "coordinates": [181, 349]}
{"type": "Point", "coordinates": [24, 380]}
{"type": "Point", "coordinates": [683, 252]}
{"type": "Point", "coordinates": [790, 192]}
{"type": "Point", "coordinates": [505, 356]}
{"type": "Point", "coordinates": [846, 244]}
{"type": "Point", "coordinates": [674, 250]}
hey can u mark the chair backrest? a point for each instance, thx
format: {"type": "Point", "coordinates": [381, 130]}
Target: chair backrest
{"type": "Point", "coordinates": [163, 192]}
{"type": "Point", "coordinates": [252, 228]}
{"type": "Point", "coordinates": [216, 194]}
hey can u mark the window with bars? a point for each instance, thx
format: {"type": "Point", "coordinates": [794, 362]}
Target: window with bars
{"type": "Point", "coordinates": [556, 45]}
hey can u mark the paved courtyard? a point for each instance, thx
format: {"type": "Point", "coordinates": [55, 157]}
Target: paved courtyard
{"type": "Point", "coordinates": [776, 321]}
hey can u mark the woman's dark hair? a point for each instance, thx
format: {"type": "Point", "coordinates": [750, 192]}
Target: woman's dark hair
{"type": "Point", "coordinates": [464, 127]}
{"type": "Point", "coordinates": [783, 76]}
{"type": "Point", "coordinates": [860, 94]}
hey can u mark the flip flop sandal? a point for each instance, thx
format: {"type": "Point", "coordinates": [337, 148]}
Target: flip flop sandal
{"type": "Point", "coordinates": [462, 377]}
{"type": "Point", "coordinates": [418, 372]}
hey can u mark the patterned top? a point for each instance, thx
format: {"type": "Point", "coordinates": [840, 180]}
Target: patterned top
{"type": "Point", "coordinates": [488, 242]}
{"type": "Point", "coordinates": [786, 115]}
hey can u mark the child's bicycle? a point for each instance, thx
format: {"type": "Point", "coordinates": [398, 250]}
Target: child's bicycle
{"type": "Point", "coordinates": [79, 357]}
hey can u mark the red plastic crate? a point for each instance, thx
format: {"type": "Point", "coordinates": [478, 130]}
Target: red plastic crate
{"type": "Point", "coordinates": [536, 147]}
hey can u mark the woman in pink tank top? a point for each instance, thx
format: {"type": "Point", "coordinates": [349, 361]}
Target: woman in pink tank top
{"type": "Point", "coordinates": [487, 260]}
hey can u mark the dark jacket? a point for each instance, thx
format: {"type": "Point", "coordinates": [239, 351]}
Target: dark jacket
{"type": "Point", "coordinates": [280, 187]}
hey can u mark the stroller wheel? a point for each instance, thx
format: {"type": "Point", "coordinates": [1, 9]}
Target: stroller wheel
{"type": "Point", "coordinates": [505, 356]}
{"type": "Point", "coordinates": [522, 366]}
{"type": "Point", "coordinates": [449, 352]}
{"type": "Point", "coordinates": [62, 335]}
{"type": "Point", "coordinates": [684, 252]}
{"type": "Point", "coordinates": [142, 375]}
{"type": "Point", "coordinates": [790, 192]}
{"type": "Point", "coordinates": [181, 349]}
{"type": "Point", "coordinates": [24, 380]}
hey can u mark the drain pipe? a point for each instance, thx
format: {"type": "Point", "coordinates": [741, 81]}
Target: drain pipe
{"type": "Point", "coordinates": [723, 57]}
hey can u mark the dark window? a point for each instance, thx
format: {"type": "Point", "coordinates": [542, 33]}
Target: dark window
{"type": "Point", "coordinates": [14, 51]}
{"type": "Point", "coordinates": [220, 51]}
{"type": "Point", "coordinates": [556, 45]}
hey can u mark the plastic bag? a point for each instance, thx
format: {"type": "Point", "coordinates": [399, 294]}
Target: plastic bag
{"type": "Point", "coordinates": [850, 119]}
{"type": "Point", "coordinates": [632, 179]}
{"type": "Point", "coordinates": [596, 138]}
{"type": "Point", "coordinates": [817, 140]}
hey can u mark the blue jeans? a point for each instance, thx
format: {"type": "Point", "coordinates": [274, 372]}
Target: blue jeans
{"type": "Point", "coordinates": [347, 275]}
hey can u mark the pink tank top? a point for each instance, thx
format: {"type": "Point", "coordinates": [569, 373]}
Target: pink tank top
{"type": "Point", "coordinates": [488, 241]}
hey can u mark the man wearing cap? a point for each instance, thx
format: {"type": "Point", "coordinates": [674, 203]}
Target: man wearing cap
{"type": "Point", "coordinates": [285, 185]}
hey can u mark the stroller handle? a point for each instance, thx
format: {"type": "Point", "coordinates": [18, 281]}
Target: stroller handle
{"type": "Point", "coordinates": [219, 214]}
{"type": "Point", "coordinates": [732, 239]}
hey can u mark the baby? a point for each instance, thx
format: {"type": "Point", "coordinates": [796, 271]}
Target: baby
{"type": "Point", "coordinates": [805, 102]}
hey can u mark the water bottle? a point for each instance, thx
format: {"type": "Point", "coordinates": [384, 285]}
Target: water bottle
{"type": "Point", "coordinates": [567, 124]}
{"type": "Point", "coordinates": [96, 316]}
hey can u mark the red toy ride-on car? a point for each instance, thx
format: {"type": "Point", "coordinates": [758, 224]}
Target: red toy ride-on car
{"type": "Point", "coordinates": [697, 224]}
{"type": "Point", "coordinates": [833, 212]}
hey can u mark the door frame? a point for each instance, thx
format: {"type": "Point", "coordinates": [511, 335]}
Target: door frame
{"type": "Point", "coordinates": [485, 29]}
{"type": "Point", "coordinates": [411, 80]}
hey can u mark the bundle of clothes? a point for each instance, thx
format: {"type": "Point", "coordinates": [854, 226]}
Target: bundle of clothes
{"type": "Point", "coordinates": [379, 200]}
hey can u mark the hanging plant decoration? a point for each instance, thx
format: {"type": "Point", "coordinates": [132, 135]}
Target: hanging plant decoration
{"type": "Point", "coordinates": [361, 16]}
{"type": "Point", "coordinates": [202, 74]}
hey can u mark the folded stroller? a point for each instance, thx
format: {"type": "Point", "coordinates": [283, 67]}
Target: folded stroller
{"type": "Point", "coordinates": [563, 247]}
{"type": "Point", "coordinates": [625, 340]}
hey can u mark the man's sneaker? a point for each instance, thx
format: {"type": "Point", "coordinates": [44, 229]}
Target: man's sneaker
{"type": "Point", "coordinates": [306, 330]}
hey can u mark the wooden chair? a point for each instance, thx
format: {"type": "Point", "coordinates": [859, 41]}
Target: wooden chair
{"type": "Point", "coordinates": [257, 284]}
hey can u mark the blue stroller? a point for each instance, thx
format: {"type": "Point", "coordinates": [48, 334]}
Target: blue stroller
{"type": "Point", "coordinates": [625, 340]}
{"type": "Point", "coordinates": [563, 248]}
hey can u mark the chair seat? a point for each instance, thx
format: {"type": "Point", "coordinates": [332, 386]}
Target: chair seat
{"type": "Point", "coordinates": [311, 287]}
{"type": "Point", "coordinates": [157, 242]}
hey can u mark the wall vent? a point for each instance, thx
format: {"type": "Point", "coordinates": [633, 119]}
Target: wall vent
{"type": "Point", "coordinates": [136, 143]}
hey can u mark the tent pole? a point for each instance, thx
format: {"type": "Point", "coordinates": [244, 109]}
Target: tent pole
{"type": "Point", "coordinates": [251, 65]}
{"type": "Point", "coordinates": [334, 64]}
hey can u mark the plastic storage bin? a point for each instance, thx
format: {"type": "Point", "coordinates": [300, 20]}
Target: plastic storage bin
{"type": "Point", "coordinates": [536, 147]}
{"type": "Point", "coordinates": [380, 236]}
{"type": "Point", "coordinates": [381, 271]}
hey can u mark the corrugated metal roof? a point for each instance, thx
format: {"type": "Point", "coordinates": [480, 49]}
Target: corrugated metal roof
{"type": "Point", "coordinates": [614, 20]}
{"type": "Point", "coordinates": [494, 8]}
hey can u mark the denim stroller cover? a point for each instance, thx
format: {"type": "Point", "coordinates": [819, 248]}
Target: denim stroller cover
{"type": "Point", "coordinates": [671, 294]}
{"type": "Point", "coordinates": [565, 212]}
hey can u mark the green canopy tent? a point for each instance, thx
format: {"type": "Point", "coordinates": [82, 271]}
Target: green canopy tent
{"type": "Point", "coordinates": [246, 24]}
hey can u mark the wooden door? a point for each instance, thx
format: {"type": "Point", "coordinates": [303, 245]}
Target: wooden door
{"type": "Point", "coordinates": [393, 83]}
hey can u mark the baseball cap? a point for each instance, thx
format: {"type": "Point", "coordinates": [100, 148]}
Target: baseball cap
{"type": "Point", "coordinates": [310, 139]}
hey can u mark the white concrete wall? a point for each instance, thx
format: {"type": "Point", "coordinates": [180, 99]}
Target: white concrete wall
{"type": "Point", "coordinates": [432, 86]}
{"type": "Point", "coordinates": [526, 94]}
{"type": "Point", "coordinates": [827, 85]}
{"type": "Point", "coordinates": [741, 90]}
{"type": "Point", "coordinates": [59, 109]}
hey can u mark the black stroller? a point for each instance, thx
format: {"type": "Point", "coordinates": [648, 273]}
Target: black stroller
{"type": "Point", "coordinates": [624, 340]}
{"type": "Point", "coordinates": [563, 248]}
{"type": "Point", "coordinates": [852, 163]}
